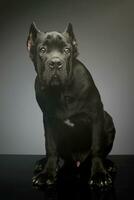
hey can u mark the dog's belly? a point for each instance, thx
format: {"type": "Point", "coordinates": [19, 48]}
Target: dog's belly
{"type": "Point", "coordinates": [74, 138]}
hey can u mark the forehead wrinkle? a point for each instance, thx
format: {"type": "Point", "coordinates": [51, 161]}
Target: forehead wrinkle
{"type": "Point", "coordinates": [55, 34]}
{"type": "Point", "coordinates": [55, 42]}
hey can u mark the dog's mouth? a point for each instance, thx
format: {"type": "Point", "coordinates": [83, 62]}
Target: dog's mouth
{"type": "Point", "coordinates": [55, 82]}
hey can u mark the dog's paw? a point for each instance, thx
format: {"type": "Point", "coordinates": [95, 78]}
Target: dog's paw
{"type": "Point", "coordinates": [101, 181]}
{"type": "Point", "coordinates": [43, 180]}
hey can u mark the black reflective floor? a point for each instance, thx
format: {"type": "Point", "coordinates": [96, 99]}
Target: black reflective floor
{"type": "Point", "coordinates": [16, 175]}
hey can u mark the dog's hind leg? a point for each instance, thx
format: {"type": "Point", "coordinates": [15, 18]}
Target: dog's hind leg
{"type": "Point", "coordinates": [109, 130]}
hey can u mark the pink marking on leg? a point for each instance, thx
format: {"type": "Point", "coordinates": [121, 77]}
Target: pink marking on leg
{"type": "Point", "coordinates": [78, 163]}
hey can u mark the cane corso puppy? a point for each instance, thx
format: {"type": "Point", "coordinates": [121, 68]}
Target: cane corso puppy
{"type": "Point", "coordinates": [76, 125]}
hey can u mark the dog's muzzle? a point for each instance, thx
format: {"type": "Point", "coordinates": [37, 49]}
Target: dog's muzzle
{"type": "Point", "coordinates": [57, 71]}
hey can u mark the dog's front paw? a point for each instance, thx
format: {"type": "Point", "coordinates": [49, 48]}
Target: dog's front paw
{"type": "Point", "coordinates": [101, 181]}
{"type": "Point", "coordinates": [43, 180]}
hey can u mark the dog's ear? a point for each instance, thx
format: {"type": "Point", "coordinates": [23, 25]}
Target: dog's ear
{"type": "Point", "coordinates": [33, 31]}
{"type": "Point", "coordinates": [69, 31]}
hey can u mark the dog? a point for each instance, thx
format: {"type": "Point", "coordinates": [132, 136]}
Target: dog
{"type": "Point", "coordinates": [76, 126]}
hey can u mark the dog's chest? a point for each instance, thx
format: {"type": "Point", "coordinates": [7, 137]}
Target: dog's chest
{"type": "Point", "coordinates": [69, 106]}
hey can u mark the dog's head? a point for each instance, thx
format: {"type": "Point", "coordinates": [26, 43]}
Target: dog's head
{"type": "Point", "coordinates": [52, 54]}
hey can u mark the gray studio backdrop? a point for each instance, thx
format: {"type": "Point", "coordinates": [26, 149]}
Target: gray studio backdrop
{"type": "Point", "coordinates": [105, 33]}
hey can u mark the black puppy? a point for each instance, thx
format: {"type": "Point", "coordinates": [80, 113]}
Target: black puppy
{"type": "Point", "coordinates": [76, 126]}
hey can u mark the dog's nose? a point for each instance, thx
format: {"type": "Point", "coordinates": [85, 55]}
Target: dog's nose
{"type": "Point", "coordinates": [55, 63]}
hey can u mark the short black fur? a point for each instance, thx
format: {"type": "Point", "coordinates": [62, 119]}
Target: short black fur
{"type": "Point", "coordinates": [76, 126]}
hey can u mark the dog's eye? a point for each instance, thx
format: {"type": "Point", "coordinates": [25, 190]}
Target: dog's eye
{"type": "Point", "coordinates": [43, 49]}
{"type": "Point", "coordinates": [67, 50]}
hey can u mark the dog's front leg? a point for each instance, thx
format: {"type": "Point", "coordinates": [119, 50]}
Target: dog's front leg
{"type": "Point", "coordinates": [48, 174]}
{"type": "Point", "coordinates": [51, 152]}
{"type": "Point", "coordinates": [99, 176]}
